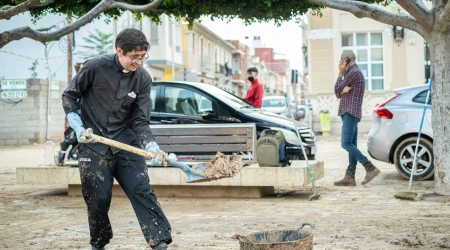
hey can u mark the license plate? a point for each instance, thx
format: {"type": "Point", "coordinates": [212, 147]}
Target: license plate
{"type": "Point", "coordinates": [313, 150]}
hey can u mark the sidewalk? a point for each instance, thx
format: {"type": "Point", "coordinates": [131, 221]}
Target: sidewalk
{"type": "Point", "coordinates": [363, 217]}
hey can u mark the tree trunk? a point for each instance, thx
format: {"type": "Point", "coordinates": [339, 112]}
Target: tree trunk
{"type": "Point", "coordinates": [440, 61]}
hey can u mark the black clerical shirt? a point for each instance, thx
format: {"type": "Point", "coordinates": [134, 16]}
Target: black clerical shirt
{"type": "Point", "coordinates": [113, 102]}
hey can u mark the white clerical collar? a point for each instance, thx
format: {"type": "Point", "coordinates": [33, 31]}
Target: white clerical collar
{"type": "Point", "coordinates": [125, 71]}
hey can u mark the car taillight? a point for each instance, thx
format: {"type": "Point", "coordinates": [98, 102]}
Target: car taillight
{"type": "Point", "coordinates": [382, 112]}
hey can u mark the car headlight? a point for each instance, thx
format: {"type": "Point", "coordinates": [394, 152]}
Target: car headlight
{"type": "Point", "coordinates": [290, 136]}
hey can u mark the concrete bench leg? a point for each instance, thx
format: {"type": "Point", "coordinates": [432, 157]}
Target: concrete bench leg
{"type": "Point", "coordinates": [195, 191]}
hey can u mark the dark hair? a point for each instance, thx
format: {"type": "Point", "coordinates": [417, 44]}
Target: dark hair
{"type": "Point", "coordinates": [131, 39]}
{"type": "Point", "coordinates": [252, 69]}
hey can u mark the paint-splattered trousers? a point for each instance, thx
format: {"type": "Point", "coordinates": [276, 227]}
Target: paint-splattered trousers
{"type": "Point", "coordinates": [97, 174]}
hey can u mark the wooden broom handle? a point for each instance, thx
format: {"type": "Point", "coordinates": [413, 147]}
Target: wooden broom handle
{"type": "Point", "coordinates": [117, 144]}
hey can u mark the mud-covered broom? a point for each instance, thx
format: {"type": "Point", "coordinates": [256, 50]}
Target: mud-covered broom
{"type": "Point", "coordinates": [413, 195]}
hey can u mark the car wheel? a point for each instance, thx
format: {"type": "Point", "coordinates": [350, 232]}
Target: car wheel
{"type": "Point", "coordinates": [404, 156]}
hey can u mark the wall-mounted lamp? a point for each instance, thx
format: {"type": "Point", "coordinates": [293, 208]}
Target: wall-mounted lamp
{"type": "Point", "coordinates": [304, 49]}
{"type": "Point", "coordinates": [398, 33]}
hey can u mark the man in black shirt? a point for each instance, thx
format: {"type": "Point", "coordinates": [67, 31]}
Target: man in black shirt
{"type": "Point", "coordinates": [111, 95]}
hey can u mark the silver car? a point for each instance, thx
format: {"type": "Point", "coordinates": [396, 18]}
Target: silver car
{"type": "Point", "coordinates": [275, 104]}
{"type": "Point", "coordinates": [393, 136]}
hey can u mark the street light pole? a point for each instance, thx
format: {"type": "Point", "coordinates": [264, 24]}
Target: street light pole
{"type": "Point", "coordinates": [173, 49]}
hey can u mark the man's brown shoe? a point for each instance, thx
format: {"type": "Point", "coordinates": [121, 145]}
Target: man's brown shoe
{"type": "Point", "coordinates": [371, 172]}
{"type": "Point", "coordinates": [349, 179]}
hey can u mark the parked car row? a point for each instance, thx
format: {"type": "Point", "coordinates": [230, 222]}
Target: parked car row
{"type": "Point", "coordinates": [278, 105]}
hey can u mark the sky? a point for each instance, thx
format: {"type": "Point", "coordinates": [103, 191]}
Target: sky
{"type": "Point", "coordinates": [17, 57]}
{"type": "Point", "coordinates": [286, 39]}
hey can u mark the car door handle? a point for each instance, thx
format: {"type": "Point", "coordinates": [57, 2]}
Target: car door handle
{"type": "Point", "coordinates": [167, 121]}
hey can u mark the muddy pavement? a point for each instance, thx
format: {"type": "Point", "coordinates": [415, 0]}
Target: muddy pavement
{"type": "Point", "coordinates": [362, 217]}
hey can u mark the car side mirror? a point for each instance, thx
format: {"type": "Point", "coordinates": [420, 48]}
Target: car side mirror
{"type": "Point", "coordinates": [209, 115]}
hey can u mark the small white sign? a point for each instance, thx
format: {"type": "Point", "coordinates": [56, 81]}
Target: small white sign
{"type": "Point", "coordinates": [13, 89]}
{"type": "Point", "coordinates": [321, 34]}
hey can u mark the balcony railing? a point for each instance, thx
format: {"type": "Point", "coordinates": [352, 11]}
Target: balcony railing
{"type": "Point", "coordinates": [223, 69]}
{"type": "Point", "coordinates": [220, 69]}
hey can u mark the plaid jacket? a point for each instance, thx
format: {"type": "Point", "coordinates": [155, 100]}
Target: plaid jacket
{"type": "Point", "coordinates": [352, 102]}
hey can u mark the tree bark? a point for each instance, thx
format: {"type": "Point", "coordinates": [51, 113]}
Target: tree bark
{"type": "Point", "coordinates": [10, 11]}
{"type": "Point", "coordinates": [418, 10]}
{"type": "Point", "coordinates": [27, 32]}
{"type": "Point", "coordinates": [440, 61]}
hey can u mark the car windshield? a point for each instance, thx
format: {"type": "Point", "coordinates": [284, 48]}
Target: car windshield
{"type": "Point", "coordinates": [273, 103]}
{"type": "Point", "coordinates": [226, 97]}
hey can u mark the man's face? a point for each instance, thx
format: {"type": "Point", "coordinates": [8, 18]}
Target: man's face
{"type": "Point", "coordinates": [343, 56]}
{"type": "Point", "coordinates": [133, 59]}
{"type": "Point", "coordinates": [254, 74]}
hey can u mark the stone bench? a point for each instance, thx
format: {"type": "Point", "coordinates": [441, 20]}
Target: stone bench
{"type": "Point", "coordinates": [252, 182]}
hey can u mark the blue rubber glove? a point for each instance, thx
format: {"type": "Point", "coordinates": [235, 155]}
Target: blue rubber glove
{"type": "Point", "coordinates": [75, 122]}
{"type": "Point", "coordinates": [158, 160]}
{"type": "Point", "coordinates": [161, 158]}
{"type": "Point", "coordinates": [152, 147]}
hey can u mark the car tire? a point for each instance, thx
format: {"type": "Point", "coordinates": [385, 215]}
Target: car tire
{"type": "Point", "coordinates": [404, 156]}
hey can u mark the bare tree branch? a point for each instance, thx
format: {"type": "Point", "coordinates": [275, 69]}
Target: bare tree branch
{"type": "Point", "coordinates": [418, 10]}
{"type": "Point", "coordinates": [137, 8]}
{"type": "Point", "coordinates": [361, 9]}
{"type": "Point", "coordinates": [421, 4]}
{"type": "Point", "coordinates": [9, 11]}
{"type": "Point", "coordinates": [6, 7]}
{"type": "Point", "coordinates": [27, 32]}
{"type": "Point", "coordinates": [438, 4]}
{"type": "Point", "coordinates": [443, 17]}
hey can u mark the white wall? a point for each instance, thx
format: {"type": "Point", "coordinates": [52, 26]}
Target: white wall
{"type": "Point", "coordinates": [24, 120]}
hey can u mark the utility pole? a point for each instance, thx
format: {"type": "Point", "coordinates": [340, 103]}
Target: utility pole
{"type": "Point", "coordinates": [47, 65]}
{"type": "Point", "coordinates": [69, 53]}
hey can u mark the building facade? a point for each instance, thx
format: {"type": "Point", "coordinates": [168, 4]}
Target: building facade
{"type": "Point", "coordinates": [279, 67]}
{"type": "Point", "coordinates": [239, 66]}
{"type": "Point", "coordinates": [165, 55]}
{"type": "Point", "coordinates": [390, 58]}
{"type": "Point", "coordinates": [208, 58]}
